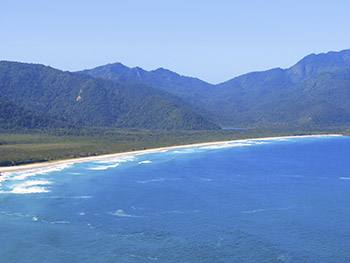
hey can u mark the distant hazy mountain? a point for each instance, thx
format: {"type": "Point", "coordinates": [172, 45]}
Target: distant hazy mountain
{"type": "Point", "coordinates": [303, 94]}
{"type": "Point", "coordinates": [313, 64]}
{"type": "Point", "coordinates": [186, 87]}
{"type": "Point", "coordinates": [268, 97]}
{"type": "Point", "coordinates": [86, 101]}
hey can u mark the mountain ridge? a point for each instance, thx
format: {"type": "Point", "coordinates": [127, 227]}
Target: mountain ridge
{"type": "Point", "coordinates": [159, 78]}
{"type": "Point", "coordinates": [90, 102]}
{"type": "Point", "coordinates": [118, 96]}
{"type": "Point", "coordinates": [228, 101]}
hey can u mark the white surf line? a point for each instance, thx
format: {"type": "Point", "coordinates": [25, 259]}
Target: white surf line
{"type": "Point", "coordinates": [155, 150]}
{"type": "Point", "coordinates": [30, 187]}
{"type": "Point", "coordinates": [147, 161]}
{"type": "Point", "coordinates": [344, 178]}
{"type": "Point", "coordinates": [103, 167]}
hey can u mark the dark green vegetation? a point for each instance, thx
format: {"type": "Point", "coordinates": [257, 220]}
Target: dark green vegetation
{"type": "Point", "coordinates": [314, 92]}
{"type": "Point", "coordinates": [14, 117]}
{"type": "Point", "coordinates": [20, 148]}
{"type": "Point", "coordinates": [84, 101]}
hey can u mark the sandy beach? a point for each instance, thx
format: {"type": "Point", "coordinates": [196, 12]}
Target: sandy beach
{"type": "Point", "coordinates": [155, 150]}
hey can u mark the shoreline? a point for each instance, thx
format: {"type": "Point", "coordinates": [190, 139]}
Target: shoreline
{"type": "Point", "coordinates": [142, 152]}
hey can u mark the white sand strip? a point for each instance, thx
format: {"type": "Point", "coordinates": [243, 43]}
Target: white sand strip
{"type": "Point", "coordinates": [163, 149]}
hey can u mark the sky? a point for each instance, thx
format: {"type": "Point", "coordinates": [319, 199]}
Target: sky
{"type": "Point", "coordinates": [211, 40]}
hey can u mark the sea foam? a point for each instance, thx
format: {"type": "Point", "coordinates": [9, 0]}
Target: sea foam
{"type": "Point", "coordinates": [147, 161]}
{"type": "Point", "coordinates": [226, 145]}
{"type": "Point", "coordinates": [104, 167]}
{"type": "Point", "coordinates": [111, 163]}
{"type": "Point", "coordinates": [30, 187]}
{"type": "Point", "coordinates": [121, 213]}
{"type": "Point", "coordinates": [344, 178]}
{"type": "Point", "coordinates": [117, 160]}
{"type": "Point", "coordinates": [23, 175]}
{"type": "Point", "coordinates": [233, 144]}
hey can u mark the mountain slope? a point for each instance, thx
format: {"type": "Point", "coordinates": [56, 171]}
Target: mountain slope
{"type": "Point", "coordinates": [261, 95]}
{"type": "Point", "coordinates": [185, 87]}
{"type": "Point", "coordinates": [321, 100]}
{"type": "Point", "coordinates": [295, 96]}
{"type": "Point", "coordinates": [313, 65]}
{"type": "Point", "coordinates": [86, 101]}
{"type": "Point", "coordinates": [310, 66]}
{"type": "Point", "coordinates": [16, 117]}
{"type": "Point", "coordinates": [256, 98]}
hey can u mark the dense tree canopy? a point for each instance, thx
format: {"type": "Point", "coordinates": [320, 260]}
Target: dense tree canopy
{"type": "Point", "coordinates": [86, 101]}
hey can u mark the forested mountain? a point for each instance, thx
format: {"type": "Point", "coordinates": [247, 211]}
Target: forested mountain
{"type": "Point", "coordinates": [85, 101]}
{"type": "Point", "coordinates": [315, 91]}
{"type": "Point", "coordinates": [15, 117]}
{"type": "Point", "coordinates": [321, 100]}
{"type": "Point", "coordinates": [284, 96]}
{"type": "Point", "coordinates": [305, 94]}
{"type": "Point", "coordinates": [186, 87]}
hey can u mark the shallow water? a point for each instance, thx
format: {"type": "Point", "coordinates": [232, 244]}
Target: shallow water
{"type": "Point", "coordinates": [261, 201]}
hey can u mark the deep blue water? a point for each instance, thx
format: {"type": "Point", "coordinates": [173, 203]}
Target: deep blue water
{"type": "Point", "coordinates": [263, 201]}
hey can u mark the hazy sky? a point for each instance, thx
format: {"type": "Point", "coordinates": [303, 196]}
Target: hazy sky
{"type": "Point", "coordinates": [212, 40]}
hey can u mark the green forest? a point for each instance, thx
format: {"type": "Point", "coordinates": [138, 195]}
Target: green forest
{"type": "Point", "coordinates": [81, 100]}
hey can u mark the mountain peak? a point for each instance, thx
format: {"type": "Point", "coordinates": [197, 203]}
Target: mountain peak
{"type": "Point", "coordinates": [117, 65]}
{"type": "Point", "coordinates": [160, 78]}
{"type": "Point", "coordinates": [164, 71]}
{"type": "Point", "coordinates": [315, 64]}
{"type": "Point", "coordinates": [332, 57]}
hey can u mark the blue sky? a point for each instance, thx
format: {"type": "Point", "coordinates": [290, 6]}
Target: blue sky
{"type": "Point", "coordinates": [211, 40]}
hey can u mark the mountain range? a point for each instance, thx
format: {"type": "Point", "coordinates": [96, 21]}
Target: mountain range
{"type": "Point", "coordinates": [83, 101]}
{"type": "Point", "coordinates": [306, 94]}
{"type": "Point", "coordinates": [313, 92]}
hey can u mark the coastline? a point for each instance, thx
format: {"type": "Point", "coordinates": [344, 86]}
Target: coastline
{"type": "Point", "coordinates": [141, 152]}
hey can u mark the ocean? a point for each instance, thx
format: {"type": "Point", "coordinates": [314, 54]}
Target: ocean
{"type": "Point", "coordinates": [284, 200]}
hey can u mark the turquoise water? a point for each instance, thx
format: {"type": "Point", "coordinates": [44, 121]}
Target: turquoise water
{"type": "Point", "coordinates": [261, 201]}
